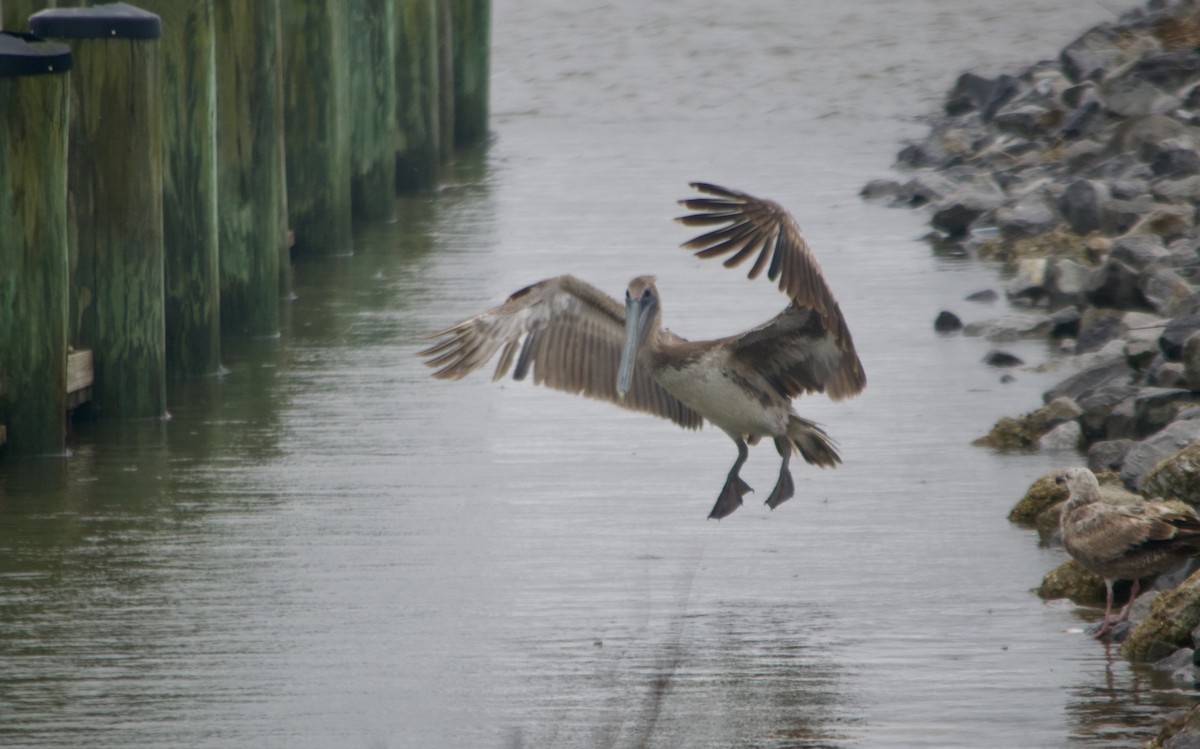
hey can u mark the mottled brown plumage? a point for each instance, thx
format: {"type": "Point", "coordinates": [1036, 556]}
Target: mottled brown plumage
{"type": "Point", "coordinates": [576, 338]}
{"type": "Point", "coordinates": [1120, 542]}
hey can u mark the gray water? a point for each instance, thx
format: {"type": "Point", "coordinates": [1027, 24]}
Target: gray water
{"type": "Point", "coordinates": [328, 548]}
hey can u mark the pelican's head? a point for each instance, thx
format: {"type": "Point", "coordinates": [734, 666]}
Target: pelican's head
{"type": "Point", "coordinates": [1082, 484]}
{"type": "Point", "coordinates": [642, 315]}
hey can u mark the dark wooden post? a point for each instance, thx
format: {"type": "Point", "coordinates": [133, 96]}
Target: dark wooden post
{"type": "Point", "coordinates": [34, 105]}
{"type": "Point", "coordinates": [251, 187]}
{"type": "Point", "coordinates": [193, 302]}
{"type": "Point", "coordinates": [445, 83]}
{"type": "Point", "coordinates": [373, 129]}
{"type": "Point", "coordinates": [471, 21]}
{"type": "Point", "coordinates": [114, 179]}
{"type": "Point", "coordinates": [418, 103]}
{"type": "Point", "coordinates": [14, 14]}
{"type": "Point", "coordinates": [315, 68]}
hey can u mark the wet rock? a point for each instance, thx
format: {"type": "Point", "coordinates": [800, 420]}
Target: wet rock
{"type": "Point", "coordinates": [1138, 251]}
{"type": "Point", "coordinates": [1177, 476]}
{"type": "Point", "coordinates": [1091, 55]}
{"type": "Point", "coordinates": [1026, 431]}
{"type": "Point", "coordinates": [1132, 96]}
{"type": "Point", "coordinates": [1028, 217]}
{"type": "Point", "coordinates": [956, 214]}
{"type": "Point", "coordinates": [1190, 359]}
{"type": "Point", "coordinates": [1154, 408]}
{"type": "Point", "coordinates": [1111, 372]}
{"type": "Point", "coordinates": [1140, 354]}
{"type": "Point", "coordinates": [1108, 455]}
{"type": "Point", "coordinates": [1182, 732]}
{"type": "Point", "coordinates": [1143, 136]}
{"type": "Point", "coordinates": [1072, 580]}
{"type": "Point", "coordinates": [882, 190]}
{"type": "Point", "coordinates": [1175, 163]}
{"type": "Point", "coordinates": [1170, 623]}
{"type": "Point", "coordinates": [1097, 328]}
{"type": "Point", "coordinates": [998, 358]}
{"type": "Point", "coordinates": [1148, 453]}
{"type": "Point", "coordinates": [1082, 155]}
{"type": "Point", "coordinates": [1165, 291]}
{"type": "Point", "coordinates": [1042, 494]}
{"type": "Point", "coordinates": [1065, 323]}
{"type": "Point", "coordinates": [1175, 333]}
{"type": "Point", "coordinates": [1087, 119]}
{"type": "Point", "coordinates": [1115, 286]}
{"type": "Point", "coordinates": [1027, 121]}
{"type": "Point", "coordinates": [985, 95]}
{"type": "Point", "coordinates": [1066, 436]}
{"type": "Point", "coordinates": [1186, 190]}
{"type": "Point", "coordinates": [1167, 374]}
{"type": "Point", "coordinates": [1082, 205]}
{"type": "Point", "coordinates": [947, 322]}
{"type": "Point", "coordinates": [984, 295]}
{"type": "Point", "coordinates": [1108, 413]}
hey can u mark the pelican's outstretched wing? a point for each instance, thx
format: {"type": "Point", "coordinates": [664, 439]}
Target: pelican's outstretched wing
{"type": "Point", "coordinates": [573, 334]}
{"type": "Point", "coordinates": [807, 347]}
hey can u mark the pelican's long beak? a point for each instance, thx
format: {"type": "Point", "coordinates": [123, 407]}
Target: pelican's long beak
{"type": "Point", "coordinates": [638, 313]}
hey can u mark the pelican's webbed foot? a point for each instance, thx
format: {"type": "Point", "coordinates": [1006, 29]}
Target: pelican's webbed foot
{"type": "Point", "coordinates": [784, 488]}
{"type": "Point", "coordinates": [783, 491]}
{"type": "Point", "coordinates": [730, 497]}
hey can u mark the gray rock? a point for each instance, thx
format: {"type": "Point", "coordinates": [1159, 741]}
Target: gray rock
{"type": "Point", "coordinates": [1082, 155]}
{"type": "Point", "coordinates": [1108, 413]}
{"type": "Point", "coordinates": [1164, 290]}
{"type": "Point", "coordinates": [1119, 216]}
{"type": "Point", "coordinates": [1175, 163]}
{"type": "Point", "coordinates": [1179, 659]}
{"type": "Point", "coordinates": [1065, 323]}
{"type": "Point", "coordinates": [947, 322]}
{"type": "Point", "coordinates": [956, 214]}
{"type": "Point", "coordinates": [882, 190]}
{"type": "Point", "coordinates": [1028, 217]}
{"type": "Point", "coordinates": [984, 295]}
{"type": "Point", "coordinates": [1143, 136]}
{"type": "Point", "coordinates": [998, 358]}
{"type": "Point", "coordinates": [1029, 279]}
{"type": "Point", "coordinates": [1138, 251]}
{"type": "Point", "coordinates": [1167, 374]}
{"type": "Point", "coordinates": [1148, 453]}
{"type": "Point", "coordinates": [1082, 205]}
{"type": "Point", "coordinates": [1027, 121]}
{"type": "Point", "coordinates": [924, 188]}
{"type": "Point", "coordinates": [1113, 372]}
{"type": "Point", "coordinates": [1131, 96]}
{"type": "Point", "coordinates": [1115, 285]}
{"type": "Point", "coordinates": [1066, 436]}
{"type": "Point", "coordinates": [1091, 55]}
{"type": "Point", "coordinates": [1066, 282]}
{"type": "Point", "coordinates": [1185, 190]}
{"type": "Point", "coordinates": [1141, 353]}
{"type": "Point", "coordinates": [1177, 476]}
{"type": "Point", "coordinates": [1098, 327]}
{"type": "Point", "coordinates": [986, 95]}
{"type": "Point", "coordinates": [1108, 455]}
{"type": "Point", "coordinates": [1190, 359]}
{"type": "Point", "coordinates": [1169, 70]}
{"type": "Point", "coordinates": [1087, 120]}
{"type": "Point", "coordinates": [1176, 333]}
{"type": "Point", "coordinates": [1154, 408]}
{"type": "Point", "coordinates": [927, 153]}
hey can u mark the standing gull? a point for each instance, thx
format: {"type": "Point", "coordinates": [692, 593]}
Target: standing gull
{"type": "Point", "coordinates": [1122, 542]}
{"type": "Point", "coordinates": [581, 340]}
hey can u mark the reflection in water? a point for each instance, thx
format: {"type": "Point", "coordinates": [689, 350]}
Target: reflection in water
{"type": "Point", "coordinates": [1119, 705]}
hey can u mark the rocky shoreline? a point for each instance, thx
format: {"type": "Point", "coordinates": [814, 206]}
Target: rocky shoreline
{"type": "Point", "coordinates": [1081, 176]}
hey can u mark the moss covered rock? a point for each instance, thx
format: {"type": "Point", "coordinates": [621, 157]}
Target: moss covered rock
{"type": "Point", "coordinates": [1169, 625]}
{"type": "Point", "coordinates": [1043, 494]}
{"type": "Point", "coordinates": [1177, 477]}
{"type": "Point", "coordinates": [1072, 580]}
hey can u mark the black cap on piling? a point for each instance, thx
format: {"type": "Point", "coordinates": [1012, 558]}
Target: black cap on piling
{"type": "Point", "coordinates": [26, 54]}
{"type": "Point", "coordinates": [111, 21]}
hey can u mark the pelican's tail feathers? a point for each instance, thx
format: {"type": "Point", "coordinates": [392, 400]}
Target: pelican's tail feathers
{"type": "Point", "coordinates": [813, 444]}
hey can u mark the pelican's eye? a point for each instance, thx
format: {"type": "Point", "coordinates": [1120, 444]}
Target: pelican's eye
{"type": "Point", "coordinates": [627, 297]}
{"type": "Point", "coordinates": [646, 294]}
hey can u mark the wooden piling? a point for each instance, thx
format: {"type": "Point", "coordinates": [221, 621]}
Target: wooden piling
{"type": "Point", "coordinates": [316, 126]}
{"type": "Point", "coordinates": [14, 14]}
{"type": "Point", "coordinates": [445, 80]}
{"type": "Point", "coordinates": [471, 24]}
{"type": "Point", "coordinates": [191, 275]}
{"type": "Point", "coordinates": [34, 114]}
{"type": "Point", "coordinates": [251, 184]}
{"type": "Point", "coordinates": [114, 179]}
{"type": "Point", "coordinates": [372, 110]}
{"type": "Point", "coordinates": [418, 103]}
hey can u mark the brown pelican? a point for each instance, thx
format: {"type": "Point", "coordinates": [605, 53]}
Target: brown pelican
{"type": "Point", "coordinates": [1122, 542]}
{"type": "Point", "coordinates": [581, 340]}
